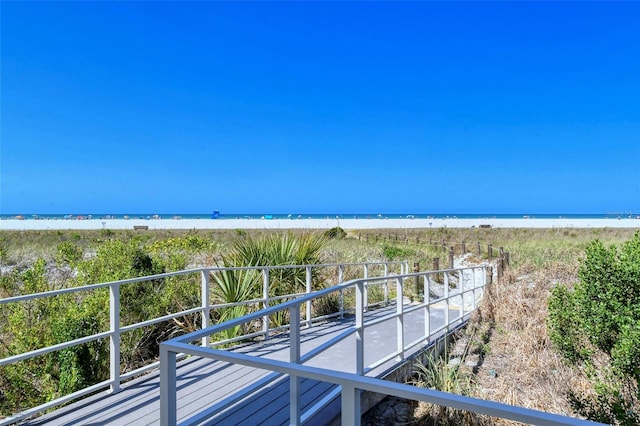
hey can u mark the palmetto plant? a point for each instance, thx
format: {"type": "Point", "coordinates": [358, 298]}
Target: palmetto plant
{"type": "Point", "coordinates": [279, 249]}
{"type": "Point", "coordinates": [266, 250]}
{"type": "Point", "coordinates": [233, 286]}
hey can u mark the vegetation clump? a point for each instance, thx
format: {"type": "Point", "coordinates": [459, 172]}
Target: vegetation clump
{"type": "Point", "coordinates": [335, 233]}
{"type": "Point", "coordinates": [393, 252]}
{"type": "Point", "coordinates": [596, 327]}
{"type": "Point", "coordinates": [38, 323]}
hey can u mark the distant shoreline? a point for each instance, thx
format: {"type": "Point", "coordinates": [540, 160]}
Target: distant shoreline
{"type": "Point", "coordinates": [317, 223]}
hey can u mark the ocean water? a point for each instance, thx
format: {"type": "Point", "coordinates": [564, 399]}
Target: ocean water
{"type": "Point", "coordinates": [293, 216]}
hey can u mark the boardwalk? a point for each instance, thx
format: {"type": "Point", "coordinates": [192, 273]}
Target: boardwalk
{"type": "Point", "coordinates": [205, 384]}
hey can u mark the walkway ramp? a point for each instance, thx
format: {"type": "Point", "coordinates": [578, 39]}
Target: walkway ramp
{"type": "Point", "coordinates": [204, 384]}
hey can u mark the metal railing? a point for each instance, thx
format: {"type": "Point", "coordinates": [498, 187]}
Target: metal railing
{"type": "Point", "coordinates": [469, 286]}
{"type": "Point", "coordinates": [467, 293]}
{"type": "Point", "coordinates": [116, 329]}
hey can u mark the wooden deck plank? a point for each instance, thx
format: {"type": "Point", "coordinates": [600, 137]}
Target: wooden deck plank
{"type": "Point", "coordinates": [272, 403]}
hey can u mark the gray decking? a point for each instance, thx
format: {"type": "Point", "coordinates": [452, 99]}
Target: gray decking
{"type": "Point", "coordinates": [204, 383]}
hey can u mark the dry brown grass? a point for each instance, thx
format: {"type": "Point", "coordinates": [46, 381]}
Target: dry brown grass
{"type": "Point", "coordinates": [520, 367]}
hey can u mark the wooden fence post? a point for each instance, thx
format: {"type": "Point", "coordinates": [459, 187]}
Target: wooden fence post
{"type": "Point", "coordinates": [451, 258]}
{"type": "Point", "coordinates": [464, 247]}
{"type": "Point", "coordinates": [444, 245]}
{"type": "Point", "coordinates": [416, 279]}
{"type": "Point", "coordinates": [490, 251]}
{"type": "Point", "coordinates": [489, 275]}
{"type": "Point", "coordinates": [479, 249]}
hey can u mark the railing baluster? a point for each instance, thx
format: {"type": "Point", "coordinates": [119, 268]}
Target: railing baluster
{"type": "Point", "coordinates": [168, 397]}
{"type": "Point", "coordinates": [427, 307]}
{"type": "Point", "coordinates": [366, 286]}
{"type": "Point", "coordinates": [475, 289]}
{"type": "Point", "coordinates": [265, 303]}
{"type": "Point", "coordinates": [114, 339]}
{"type": "Point", "coordinates": [204, 294]}
{"type": "Point", "coordinates": [340, 278]}
{"type": "Point", "coordinates": [400, 317]}
{"type": "Point", "coordinates": [308, 289]}
{"type": "Point", "coordinates": [386, 284]}
{"type": "Point", "coordinates": [294, 357]}
{"type": "Point", "coordinates": [461, 307]}
{"type": "Point", "coordinates": [350, 405]}
{"type": "Point", "coordinates": [360, 289]}
{"type": "Point", "coordinates": [446, 298]}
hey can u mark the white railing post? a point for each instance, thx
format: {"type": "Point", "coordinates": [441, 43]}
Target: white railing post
{"type": "Point", "coordinates": [386, 284]}
{"type": "Point", "coordinates": [350, 405]}
{"type": "Point", "coordinates": [204, 294]}
{"type": "Point", "coordinates": [461, 308]}
{"type": "Point", "coordinates": [446, 298]}
{"type": "Point", "coordinates": [340, 279]}
{"type": "Point", "coordinates": [400, 317]}
{"type": "Point", "coordinates": [366, 289]}
{"type": "Point", "coordinates": [294, 358]}
{"type": "Point", "coordinates": [114, 338]}
{"type": "Point", "coordinates": [360, 289]}
{"type": "Point", "coordinates": [168, 398]}
{"type": "Point", "coordinates": [265, 302]}
{"type": "Point", "coordinates": [427, 306]}
{"type": "Point", "coordinates": [309, 289]}
{"type": "Point", "coordinates": [475, 288]}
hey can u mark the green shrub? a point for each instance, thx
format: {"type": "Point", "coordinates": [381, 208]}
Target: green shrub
{"type": "Point", "coordinates": [601, 316]}
{"type": "Point", "coordinates": [392, 252]}
{"type": "Point", "coordinates": [36, 324]}
{"type": "Point", "coordinates": [68, 253]}
{"type": "Point", "coordinates": [335, 233]}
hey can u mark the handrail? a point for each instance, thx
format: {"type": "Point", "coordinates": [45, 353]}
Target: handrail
{"type": "Point", "coordinates": [352, 383]}
{"type": "Point", "coordinates": [49, 293]}
{"type": "Point", "coordinates": [116, 329]}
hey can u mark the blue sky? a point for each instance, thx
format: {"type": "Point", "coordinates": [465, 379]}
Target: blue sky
{"type": "Point", "coordinates": [314, 107]}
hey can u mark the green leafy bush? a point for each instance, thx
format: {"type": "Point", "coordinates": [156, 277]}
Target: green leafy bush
{"type": "Point", "coordinates": [392, 252]}
{"type": "Point", "coordinates": [68, 253]}
{"type": "Point", "coordinates": [38, 323]}
{"type": "Point", "coordinates": [335, 233]}
{"type": "Point", "coordinates": [596, 327]}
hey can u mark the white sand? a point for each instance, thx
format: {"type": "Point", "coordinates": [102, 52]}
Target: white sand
{"type": "Point", "coordinates": [51, 224]}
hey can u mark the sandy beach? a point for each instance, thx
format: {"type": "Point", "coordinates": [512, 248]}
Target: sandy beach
{"type": "Point", "coordinates": [347, 224]}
